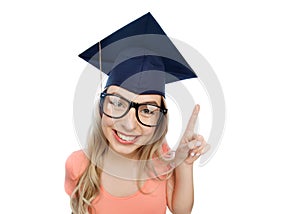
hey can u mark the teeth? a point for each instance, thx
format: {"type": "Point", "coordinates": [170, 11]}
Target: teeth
{"type": "Point", "coordinates": [124, 137]}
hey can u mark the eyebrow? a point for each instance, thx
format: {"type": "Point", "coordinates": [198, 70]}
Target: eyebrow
{"type": "Point", "coordinates": [151, 103]}
{"type": "Point", "coordinates": [147, 102]}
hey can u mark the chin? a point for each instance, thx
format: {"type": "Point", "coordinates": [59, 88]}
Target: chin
{"type": "Point", "coordinates": [125, 150]}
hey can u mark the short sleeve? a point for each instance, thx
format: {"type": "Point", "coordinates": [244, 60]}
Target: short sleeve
{"type": "Point", "coordinates": [165, 147]}
{"type": "Point", "coordinates": [75, 165]}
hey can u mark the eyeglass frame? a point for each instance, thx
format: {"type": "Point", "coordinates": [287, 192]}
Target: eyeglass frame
{"type": "Point", "coordinates": [134, 105]}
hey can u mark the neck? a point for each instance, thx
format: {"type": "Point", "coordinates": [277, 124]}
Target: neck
{"type": "Point", "coordinates": [122, 166]}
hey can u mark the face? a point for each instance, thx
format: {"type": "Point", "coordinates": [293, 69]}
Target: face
{"type": "Point", "coordinates": [126, 134]}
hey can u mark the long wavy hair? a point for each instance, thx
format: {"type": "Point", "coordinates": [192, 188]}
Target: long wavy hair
{"type": "Point", "coordinates": [88, 186]}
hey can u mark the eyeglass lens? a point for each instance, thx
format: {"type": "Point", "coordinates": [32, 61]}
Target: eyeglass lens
{"type": "Point", "coordinates": [117, 107]}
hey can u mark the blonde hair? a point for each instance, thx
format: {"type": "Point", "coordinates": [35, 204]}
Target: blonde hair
{"type": "Point", "coordinates": [88, 186]}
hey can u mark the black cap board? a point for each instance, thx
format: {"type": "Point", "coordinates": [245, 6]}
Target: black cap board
{"type": "Point", "coordinates": [139, 57]}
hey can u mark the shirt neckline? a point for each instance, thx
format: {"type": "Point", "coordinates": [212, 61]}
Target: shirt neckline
{"type": "Point", "coordinates": [138, 192]}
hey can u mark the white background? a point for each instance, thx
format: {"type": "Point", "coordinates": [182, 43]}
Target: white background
{"type": "Point", "coordinates": [253, 47]}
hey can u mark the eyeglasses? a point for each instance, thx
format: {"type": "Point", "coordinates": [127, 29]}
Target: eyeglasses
{"type": "Point", "coordinates": [116, 106]}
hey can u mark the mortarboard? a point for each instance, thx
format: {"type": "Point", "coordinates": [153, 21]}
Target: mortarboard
{"type": "Point", "coordinates": [139, 57]}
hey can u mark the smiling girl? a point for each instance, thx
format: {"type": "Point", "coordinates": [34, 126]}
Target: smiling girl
{"type": "Point", "coordinates": [127, 166]}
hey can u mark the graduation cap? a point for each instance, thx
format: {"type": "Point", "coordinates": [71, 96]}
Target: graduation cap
{"type": "Point", "coordinates": [139, 57]}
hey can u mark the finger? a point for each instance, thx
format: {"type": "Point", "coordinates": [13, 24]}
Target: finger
{"type": "Point", "coordinates": [195, 153]}
{"type": "Point", "coordinates": [199, 150]}
{"type": "Point", "coordinates": [193, 156]}
{"type": "Point", "coordinates": [192, 121]}
{"type": "Point", "coordinates": [194, 144]}
{"type": "Point", "coordinates": [202, 150]}
{"type": "Point", "coordinates": [183, 152]}
{"type": "Point", "coordinates": [196, 141]}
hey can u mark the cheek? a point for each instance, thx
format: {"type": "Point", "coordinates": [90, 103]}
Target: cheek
{"type": "Point", "coordinates": [106, 122]}
{"type": "Point", "coordinates": [148, 131]}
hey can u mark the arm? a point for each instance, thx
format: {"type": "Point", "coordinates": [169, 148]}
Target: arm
{"type": "Point", "coordinates": [180, 188]}
{"type": "Point", "coordinates": [183, 192]}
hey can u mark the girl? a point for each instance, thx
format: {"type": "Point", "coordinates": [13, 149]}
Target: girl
{"type": "Point", "coordinates": [127, 166]}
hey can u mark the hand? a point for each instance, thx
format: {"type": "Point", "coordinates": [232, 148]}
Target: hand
{"type": "Point", "coordinates": [192, 145]}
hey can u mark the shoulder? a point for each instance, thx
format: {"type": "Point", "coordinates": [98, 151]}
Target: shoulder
{"type": "Point", "coordinates": [165, 147]}
{"type": "Point", "coordinates": [77, 156]}
{"type": "Point", "coordinates": [75, 165]}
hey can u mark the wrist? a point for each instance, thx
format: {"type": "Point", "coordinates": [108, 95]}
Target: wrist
{"type": "Point", "coordinates": [185, 167]}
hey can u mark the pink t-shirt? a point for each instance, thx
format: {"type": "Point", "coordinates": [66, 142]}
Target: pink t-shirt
{"type": "Point", "coordinates": [105, 203]}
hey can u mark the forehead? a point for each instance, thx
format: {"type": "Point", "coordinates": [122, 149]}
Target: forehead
{"type": "Point", "coordinates": [132, 96]}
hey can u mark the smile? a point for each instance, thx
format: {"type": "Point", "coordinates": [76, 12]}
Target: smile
{"type": "Point", "coordinates": [125, 139]}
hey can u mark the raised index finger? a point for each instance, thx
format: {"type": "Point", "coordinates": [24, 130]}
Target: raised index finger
{"type": "Point", "coordinates": [192, 121]}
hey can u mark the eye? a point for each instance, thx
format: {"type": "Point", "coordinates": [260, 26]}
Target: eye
{"type": "Point", "coordinates": [148, 110]}
{"type": "Point", "coordinates": [117, 102]}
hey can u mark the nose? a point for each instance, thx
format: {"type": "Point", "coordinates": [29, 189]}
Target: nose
{"type": "Point", "coordinates": [129, 121]}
